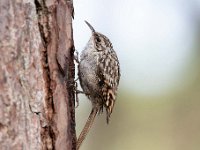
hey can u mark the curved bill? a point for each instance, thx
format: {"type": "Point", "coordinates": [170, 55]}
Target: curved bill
{"type": "Point", "coordinates": [89, 25]}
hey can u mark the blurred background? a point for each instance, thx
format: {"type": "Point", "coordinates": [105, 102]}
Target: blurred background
{"type": "Point", "coordinates": [158, 45]}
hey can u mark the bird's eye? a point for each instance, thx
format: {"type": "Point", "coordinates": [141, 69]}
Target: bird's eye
{"type": "Point", "coordinates": [98, 39]}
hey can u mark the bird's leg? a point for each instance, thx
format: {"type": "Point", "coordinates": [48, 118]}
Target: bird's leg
{"type": "Point", "coordinates": [77, 92]}
{"type": "Point", "coordinates": [76, 57]}
{"type": "Point", "coordinates": [87, 127]}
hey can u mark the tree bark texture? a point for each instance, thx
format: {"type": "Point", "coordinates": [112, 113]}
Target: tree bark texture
{"type": "Point", "coordinates": [36, 75]}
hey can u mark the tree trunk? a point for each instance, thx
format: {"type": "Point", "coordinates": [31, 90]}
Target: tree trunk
{"type": "Point", "coordinates": [36, 75]}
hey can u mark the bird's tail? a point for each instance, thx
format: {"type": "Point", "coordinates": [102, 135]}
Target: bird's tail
{"type": "Point", "coordinates": [87, 127]}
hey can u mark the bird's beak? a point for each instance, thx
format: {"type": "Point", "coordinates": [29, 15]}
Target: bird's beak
{"type": "Point", "coordinates": [89, 25]}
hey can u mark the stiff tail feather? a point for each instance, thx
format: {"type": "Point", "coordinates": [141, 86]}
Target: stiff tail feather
{"type": "Point", "coordinates": [86, 128]}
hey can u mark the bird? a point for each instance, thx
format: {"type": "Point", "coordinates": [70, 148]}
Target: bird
{"type": "Point", "coordinates": [99, 75]}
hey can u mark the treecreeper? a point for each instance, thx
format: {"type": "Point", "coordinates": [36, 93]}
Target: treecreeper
{"type": "Point", "coordinates": [99, 74]}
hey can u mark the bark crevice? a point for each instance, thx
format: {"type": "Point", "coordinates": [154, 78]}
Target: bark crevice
{"type": "Point", "coordinates": [47, 134]}
{"type": "Point", "coordinates": [36, 101]}
{"type": "Point", "coordinates": [54, 22]}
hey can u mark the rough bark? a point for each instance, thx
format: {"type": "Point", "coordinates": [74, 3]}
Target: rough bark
{"type": "Point", "coordinates": [36, 75]}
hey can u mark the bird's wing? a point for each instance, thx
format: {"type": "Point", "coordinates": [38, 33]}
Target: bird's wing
{"type": "Point", "coordinates": [109, 75]}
